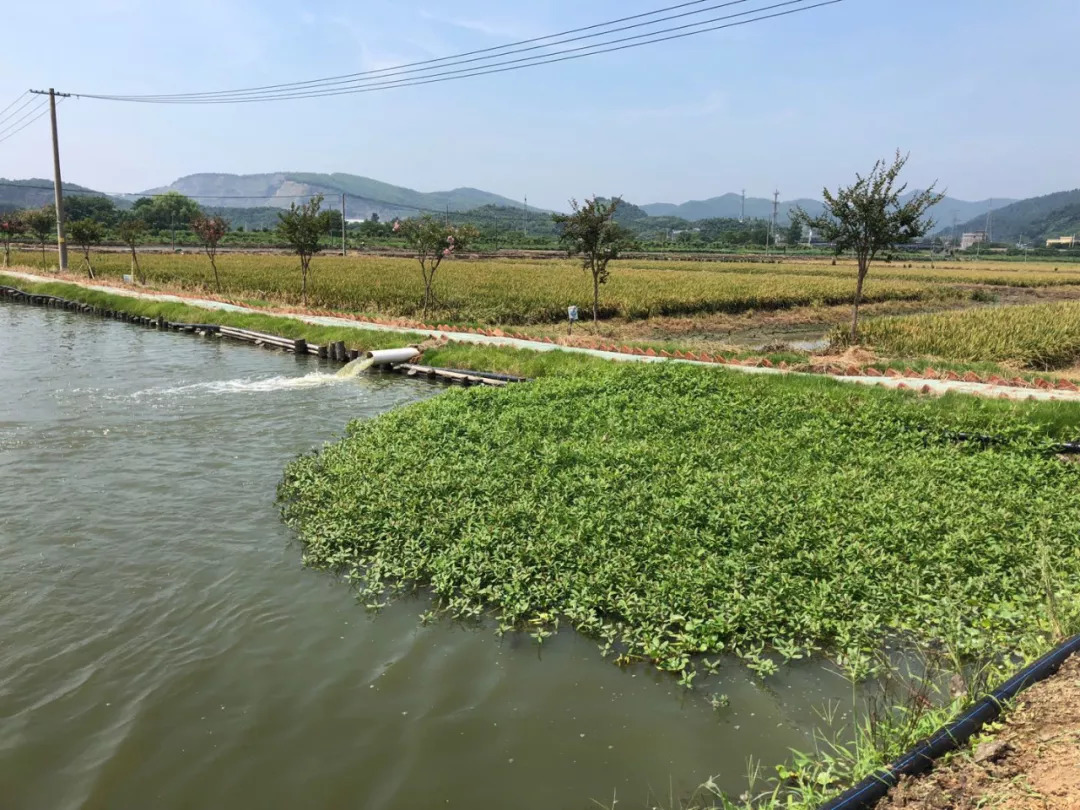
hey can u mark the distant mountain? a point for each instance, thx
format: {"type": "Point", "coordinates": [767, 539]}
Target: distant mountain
{"type": "Point", "coordinates": [34, 193]}
{"type": "Point", "coordinates": [363, 196]}
{"type": "Point", "coordinates": [1036, 218]}
{"type": "Point", "coordinates": [729, 206]}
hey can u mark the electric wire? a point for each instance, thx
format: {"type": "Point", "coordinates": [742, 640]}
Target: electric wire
{"type": "Point", "coordinates": [10, 120]}
{"type": "Point", "coordinates": [42, 110]}
{"type": "Point", "coordinates": [12, 104]}
{"type": "Point", "coordinates": [459, 59]}
{"type": "Point", "coordinates": [543, 59]}
{"type": "Point", "coordinates": [198, 197]}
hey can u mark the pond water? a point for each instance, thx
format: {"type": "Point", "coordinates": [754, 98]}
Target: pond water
{"type": "Point", "coordinates": [162, 646]}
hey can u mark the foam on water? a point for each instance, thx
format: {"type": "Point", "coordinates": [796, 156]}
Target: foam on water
{"type": "Point", "coordinates": [355, 368]}
{"type": "Point", "coordinates": [252, 386]}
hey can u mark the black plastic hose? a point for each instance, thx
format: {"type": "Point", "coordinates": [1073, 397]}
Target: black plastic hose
{"type": "Point", "coordinates": [920, 759]}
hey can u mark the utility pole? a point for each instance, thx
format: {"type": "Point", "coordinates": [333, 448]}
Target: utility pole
{"type": "Point", "coordinates": [524, 215]}
{"type": "Point", "coordinates": [989, 214]}
{"type": "Point", "coordinates": [58, 190]}
{"type": "Point", "coordinates": [742, 210]}
{"type": "Point", "coordinates": [343, 223]}
{"type": "Point", "coordinates": [772, 224]}
{"type": "Point", "coordinates": [448, 215]}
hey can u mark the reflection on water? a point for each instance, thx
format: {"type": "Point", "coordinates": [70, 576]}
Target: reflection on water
{"type": "Point", "coordinates": [163, 646]}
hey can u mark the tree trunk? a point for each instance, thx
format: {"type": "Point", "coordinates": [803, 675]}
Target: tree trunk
{"type": "Point", "coordinates": [595, 298]}
{"type": "Point", "coordinates": [858, 300]}
{"type": "Point", "coordinates": [43, 267]}
{"type": "Point", "coordinates": [7, 255]}
{"type": "Point", "coordinates": [217, 278]}
{"type": "Point", "coordinates": [303, 282]}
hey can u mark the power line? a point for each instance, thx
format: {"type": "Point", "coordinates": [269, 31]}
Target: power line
{"type": "Point", "coordinates": [449, 58]}
{"type": "Point", "coordinates": [44, 109]}
{"type": "Point", "coordinates": [198, 197]}
{"type": "Point", "coordinates": [506, 66]}
{"type": "Point", "coordinates": [574, 53]}
{"type": "Point", "coordinates": [12, 104]}
{"type": "Point", "coordinates": [24, 116]}
{"type": "Point", "coordinates": [449, 61]}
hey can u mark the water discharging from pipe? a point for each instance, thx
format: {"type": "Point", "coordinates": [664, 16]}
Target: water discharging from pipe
{"type": "Point", "coordinates": [355, 367]}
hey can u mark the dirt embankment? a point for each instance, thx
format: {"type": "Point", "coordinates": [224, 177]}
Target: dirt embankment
{"type": "Point", "coordinates": [1033, 763]}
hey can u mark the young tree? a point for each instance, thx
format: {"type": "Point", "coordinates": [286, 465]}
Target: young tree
{"type": "Point", "coordinates": [130, 230]}
{"type": "Point", "coordinates": [592, 233]}
{"type": "Point", "coordinates": [85, 233]}
{"type": "Point", "coordinates": [301, 228]}
{"type": "Point", "coordinates": [868, 217]}
{"type": "Point", "coordinates": [210, 230]}
{"type": "Point", "coordinates": [794, 233]}
{"type": "Point", "coordinates": [41, 222]}
{"type": "Point", "coordinates": [433, 241]}
{"type": "Point", "coordinates": [11, 226]}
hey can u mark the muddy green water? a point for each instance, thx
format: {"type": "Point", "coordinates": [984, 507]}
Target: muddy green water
{"type": "Point", "coordinates": [162, 646]}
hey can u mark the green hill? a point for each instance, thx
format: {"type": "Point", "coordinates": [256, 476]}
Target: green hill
{"type": "Point", "coordinates": [34, 193]}
{"type": "Point", "coordinates": [1034, 219]}
{"type": "Point", "coordinates": [363, 195]}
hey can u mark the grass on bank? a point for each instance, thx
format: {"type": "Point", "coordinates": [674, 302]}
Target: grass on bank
{"type": "Point", "coordinates": [474, 357]}
{"type": "Point", "coordinates": [354, 337]}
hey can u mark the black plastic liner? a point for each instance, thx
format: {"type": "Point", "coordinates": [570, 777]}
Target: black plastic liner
{"type": "Point", "coordinates": [921, 758]}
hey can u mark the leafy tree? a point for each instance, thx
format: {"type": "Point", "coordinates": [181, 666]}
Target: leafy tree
{"type": "Point", "coordinates": [130, 230]}
{"type": "Point", "coordinates": [867, 217]}
{"type": "Point", "coordinates": [591, 232]}
{"type": "Point", "coordinates": [166, 211]}
{"type": "Point", "coordinates": [794, 233]}
{"type": "Point", "coordinates": [41, 222]}
{"type": "Point", "coordinates": [433, 240]}
{"type": "Point", "coordinates": [374, 217]}
{"type": "Point", "coordinates": [89, 206]}
{"type": "Point", "coordinates": [301, 228]}
{"type": "Point", "coordinates": [85, 233]}
{"type": "Point", "coordinates": [210, 230]}
{"type": "Point", "coordinates": [11, 226]}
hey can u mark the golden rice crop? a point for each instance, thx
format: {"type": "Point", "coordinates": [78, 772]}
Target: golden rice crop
{"type": "Point", "coordinates": [1038, 336]}
{"type": "Point", "coordinates": [503, 290]}
{"type": "Point", "coordinates": [1000, 274]}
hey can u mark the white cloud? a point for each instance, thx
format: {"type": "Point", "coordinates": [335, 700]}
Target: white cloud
{"type": "Point", "coordinates": [496, 29]}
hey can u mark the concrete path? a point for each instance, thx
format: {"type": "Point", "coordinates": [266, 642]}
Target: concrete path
{"type": "Point", "coordinates": [916, 383]}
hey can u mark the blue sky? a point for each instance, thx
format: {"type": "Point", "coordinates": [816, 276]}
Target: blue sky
{"type": "Point", "coordinates": [982, 92]}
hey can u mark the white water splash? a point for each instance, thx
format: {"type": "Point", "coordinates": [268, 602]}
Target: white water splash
{"type": "Point", "coordinates": [355, 368]}
{"type": "Point", "coordinates": [251, 386]}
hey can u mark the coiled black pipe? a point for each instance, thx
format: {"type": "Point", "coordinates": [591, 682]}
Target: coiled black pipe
{"type": "Point", "coordinates": [920, 759]}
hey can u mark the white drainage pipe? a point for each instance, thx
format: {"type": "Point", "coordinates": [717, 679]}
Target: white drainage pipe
{"type": "Point", "coordinates": [386, 357]}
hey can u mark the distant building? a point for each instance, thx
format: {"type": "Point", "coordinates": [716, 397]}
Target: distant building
{"type": "Point", "coordinates": [973, 238]}
{"type": "Point", "coordinates": [1063, 241]}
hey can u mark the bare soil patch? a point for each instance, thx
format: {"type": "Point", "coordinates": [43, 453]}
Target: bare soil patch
{"type": "Point", "coordinates": [1033, 763]}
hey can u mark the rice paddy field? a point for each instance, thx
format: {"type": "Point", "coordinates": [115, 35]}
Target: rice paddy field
{"type": "Point", "coordinates": [679, 305]}
{"type": "Point", "coordinates": [510, 291]}
{"type": "Point", "coordinates": [998, 274]}
{"type": "Point", "coordinates": [1041, 336]}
